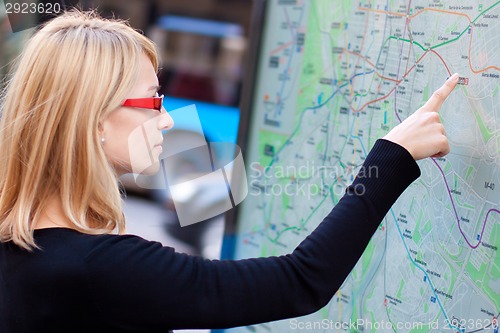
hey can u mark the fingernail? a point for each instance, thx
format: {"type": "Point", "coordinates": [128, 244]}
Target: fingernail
{"type": "Point", "coordinates": [454, 77]}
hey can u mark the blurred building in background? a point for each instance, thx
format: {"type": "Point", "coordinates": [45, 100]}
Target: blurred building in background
{"type": "Point", "coordinates": [202, 43]}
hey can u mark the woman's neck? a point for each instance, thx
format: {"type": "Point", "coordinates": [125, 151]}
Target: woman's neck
{"type": "Point", "coordinates": [53, 217]}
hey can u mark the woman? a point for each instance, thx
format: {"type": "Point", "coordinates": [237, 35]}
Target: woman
{"type": "Point", "coordinates": [82, 87]}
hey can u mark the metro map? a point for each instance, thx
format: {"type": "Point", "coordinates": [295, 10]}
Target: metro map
{"type": "Point", "coordinates": [334, 76]}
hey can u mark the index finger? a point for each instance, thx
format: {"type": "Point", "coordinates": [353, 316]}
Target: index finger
{"type": "Point", "coordinates": [439, 96]}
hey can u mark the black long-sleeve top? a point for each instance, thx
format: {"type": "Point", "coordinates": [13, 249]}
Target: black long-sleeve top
{"type": "Point", "coordinates": [113, 283]}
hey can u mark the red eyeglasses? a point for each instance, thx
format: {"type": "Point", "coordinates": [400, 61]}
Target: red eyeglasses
{"type": "Point", "coordinates": [154, 103]}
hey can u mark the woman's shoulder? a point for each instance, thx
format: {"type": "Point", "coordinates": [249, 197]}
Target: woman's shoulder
{"type": "Point", "coordinates": [70, 242]}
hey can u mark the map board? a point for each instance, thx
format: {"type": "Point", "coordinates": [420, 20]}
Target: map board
{"type": "Point", "coordinates": [332, 76]}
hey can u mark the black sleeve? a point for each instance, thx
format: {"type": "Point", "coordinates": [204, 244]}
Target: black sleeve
{"type": "Point", "coordinates": [138, 284]}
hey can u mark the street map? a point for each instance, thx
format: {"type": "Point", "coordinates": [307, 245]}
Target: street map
{"type": "Point", "coordinates": [333, 77]}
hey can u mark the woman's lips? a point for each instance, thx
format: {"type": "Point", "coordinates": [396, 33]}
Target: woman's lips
{"type": "Point", "coordinates": [158, 147]}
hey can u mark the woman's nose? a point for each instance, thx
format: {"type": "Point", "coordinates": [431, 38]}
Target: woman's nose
{"type": "Point", "coordinates": [166, 122]}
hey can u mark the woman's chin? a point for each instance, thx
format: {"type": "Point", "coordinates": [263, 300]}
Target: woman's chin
{"type": "Point", "coordinates": [146, 164]}
{"type": "Point", "coordinates": [151, 170]}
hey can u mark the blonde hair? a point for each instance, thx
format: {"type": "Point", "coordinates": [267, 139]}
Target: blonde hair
{"type": "Point", "coordinates": [73, 72]}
